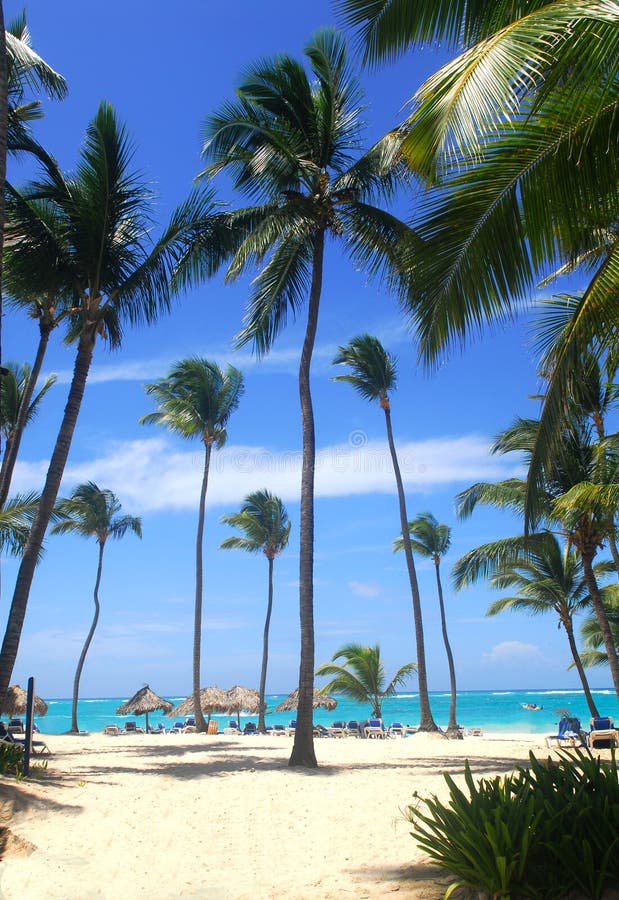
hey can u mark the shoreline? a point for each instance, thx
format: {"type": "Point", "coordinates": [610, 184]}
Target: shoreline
{"type": "Point", "coordinates": [224, 817]}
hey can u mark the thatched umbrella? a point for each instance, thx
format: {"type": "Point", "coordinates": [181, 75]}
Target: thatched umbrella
{"type": "Point", "coordinates": [143, 703]}
{"type": "Point", "coordinates": [242, 698]}
{"type": "Point", "coordinates": [292, 701]}
{"type": "Point", "coordinates": [15, 703]}
{"type": "Point", "coordinates": [212, 699]}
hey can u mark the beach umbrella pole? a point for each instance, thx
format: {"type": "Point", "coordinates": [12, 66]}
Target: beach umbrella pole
{"type": "Point", "coordinates": [29, 715]}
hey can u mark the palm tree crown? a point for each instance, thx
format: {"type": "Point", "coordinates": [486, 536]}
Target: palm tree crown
{"type": "Point", "coordinates": [374, 371]}
{"type": "Point", "coordinates": [92, 511]}
{"type": "Point", "coordinates": [264, 521]}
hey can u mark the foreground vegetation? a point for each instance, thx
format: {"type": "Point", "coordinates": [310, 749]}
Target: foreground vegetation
{"type": "Point", "coordinates": [542, 832]}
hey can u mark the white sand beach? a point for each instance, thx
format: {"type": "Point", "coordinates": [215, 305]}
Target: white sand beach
{"type": "Point", "coordinates": [224, 817]}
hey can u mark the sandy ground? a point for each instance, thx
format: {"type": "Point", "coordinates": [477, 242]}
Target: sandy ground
{"type": "Point", "coordinates": [224, 818]}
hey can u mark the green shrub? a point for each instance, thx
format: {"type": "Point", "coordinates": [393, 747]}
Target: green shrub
{"type": "Point", "coordinates": [11, 759]}
{"type": "Point", "coordinates": [540, 832]}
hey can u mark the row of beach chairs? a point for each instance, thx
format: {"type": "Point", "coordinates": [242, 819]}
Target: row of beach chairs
{"type": "Point", "coordinates": [570, 733]}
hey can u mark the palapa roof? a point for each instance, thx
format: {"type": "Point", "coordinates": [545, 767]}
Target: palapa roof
{"type": "Point", "coordinates": [15, 703]}
{"type": "Point", "coordinates": [292, 701]}
{"type": "Point", "coordinates": [144, 701]}
{"type": "Point", "coordinates": [212, 699]}
{"type": "Point", "coordinates": [243, 698]}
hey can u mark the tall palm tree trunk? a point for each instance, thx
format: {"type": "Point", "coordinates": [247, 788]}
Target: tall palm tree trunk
{"type": "Point", "coordinates": [600, 613]}
{"type": "Point", "coordinates": [426, 723]}
{"type": "Point", "coordinates": [303, 753]}
{"type": "Point", "coordinates": [17, 612]}
{"type": "Point", "coordinates": [569, 630]}
{"type": "Point", "coordinates": [452, 726]}
{"type": "Point", "coordinates": [82, 659]}
{"type": "Point", "coordinates": [614, 552]}
{"type": "Point", "coordinates": [12, 446]}
{"type": "Point", "coordinates": [265, 651]}
{"type": "Point", "coordinates": [3, 137]}
{"type": "Point", "coordinates": [197, 622]}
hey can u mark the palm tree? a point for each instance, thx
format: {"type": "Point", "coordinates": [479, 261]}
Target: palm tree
{"type": "Point", "coordinates": [289, 141]}
{"type": "Point", "coordinates": [496, 130]}
{"type": "Point", "coordinates": [86, 239]}
{"type": "Point", "coordinates": [548, 578]}
{"type": "Point", "coordinates": [92, 511]}
{"type": "Point", "coordinates": [16, 521]}
{"type": "Point", "coordinates": [264, 522]}
{"type": "Point", "coordinates": [432, 540]}
{"type": "Point", "coordinates": [593, 654]}
{"type": "Point", "coordinates": [576, 460]}
{"type": "Point", "coordinates": [196, 400]}
{"type": "Point", "coordinates": [362, 676]}
{"type": "Point", "coordinates": [374, 376]}
{"type": "Point", "coordinates": [21, 70]}
{"type": "Point", "coordinates": [18, 407]}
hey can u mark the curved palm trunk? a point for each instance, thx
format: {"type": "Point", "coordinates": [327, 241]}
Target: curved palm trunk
{"type": "Point", "coordinates": [426, 723]}
{"type": "Point", "coordinates": [569, 630]}
{"type": "Point", "coordinates": [12, 447]}
{"type": "Point", "coordinates": [600, 613]}
{"type": "Point", "coordinates": [303, 753]}
{"type": "Point", "coordinates": [17, 612]}
{"type": "Point", "coordinates": [452, 726]}
{"type": "Point", "coordinates": [82, 659]}
{"type": "Point", "coordinates": [3, 131]}
{"type": "Point", "coordinates": [265, 651]}
{"type": "Point", "coordinates": [197, 621]}
{"type": "Point", "coordinates": [612, 543]}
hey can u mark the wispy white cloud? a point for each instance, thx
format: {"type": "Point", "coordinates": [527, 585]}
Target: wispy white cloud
{"type": "Point", "coordinates": [509, 652]}
{"type": "Point", "coordinates": [365, 588]}
{"type": "Point", "coordinates": [284, 360]}
{"type": "Point", "coordinates": [149, 475]}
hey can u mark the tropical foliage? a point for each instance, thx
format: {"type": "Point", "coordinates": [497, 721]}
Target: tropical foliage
{"type": "Point", "coordinates": [91, 511]}
{"type": "Point", "coordinates": [374, 378]}
{"type": "Point", "coordinates": [361, 677]}
{"type": "Point", "coordinates": [431, 540]}
{"type": "Point", "coordinates": [264, 522]}
{"type": "Point", "coordinates": [289, 140]}
{"type": "Point", "coordinates": [84, 239]}
{"type": "Point", "coordinates": [196, 400]}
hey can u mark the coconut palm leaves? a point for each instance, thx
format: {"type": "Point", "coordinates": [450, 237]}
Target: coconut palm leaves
{"type": "Point", "coordinates": [290, 141]}
{"type": "Point", "coordinates": [264, 522]}
{"type": "Point", "coordinates": [516, 134]}
{"type": "Point", "coordinates": [85, 239]}
{"type": "Point", "coordinates": [362, 676]}
{"type": "Point", "coordinates": [18, 407]}
{"type": "Point", "coordinates": [196, 400]}
{"type": "Point", "coordinates": [91, 511]}
{"type": "Point", "coordinates": [373, 376]}
{"type": "Point", "coordinates": [430, 539]}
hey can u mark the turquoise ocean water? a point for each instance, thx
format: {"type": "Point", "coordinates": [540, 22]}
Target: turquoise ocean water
{"type": "Point", "coordinates": [494, 711]}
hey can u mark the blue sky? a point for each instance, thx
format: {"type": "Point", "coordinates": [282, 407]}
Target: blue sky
{"type": "Point", "coordinates": [164, 71]}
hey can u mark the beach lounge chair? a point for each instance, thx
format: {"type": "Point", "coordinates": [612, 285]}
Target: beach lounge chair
{"type": "Point", "coordinates": [353, 728]}
{"type": "Point", "coordinates": [111, 729]}
{"type": "Point", "coordinates": [292, 727]}
{"type": "Point", "coordinates": [396, 729]}
{"type": "Point", "coordinates": [36, 747]}
{"type": "Point", "coordinates": [250, 728]}
{"type": "Point", "coordinates": [374, 728]}
{"type": "Point", "coordinates": [16, 726]}
{"type": "Point", "coordinates": [279, 730]}
{"type": "Point", "coordinates": [232, 728]}
{"type": "Point", "coordinates": [321, 731]}
{"type": "Point", "coordinates": [338, 729]}
{"type": "Point", "coordinates": [603, 733]}
{"type": "Point", "coordinates": [132, 728]}
{"type": "Point", "coordinates": [569, 733]}
{"type": "Point", "coordinates": [177, 728]}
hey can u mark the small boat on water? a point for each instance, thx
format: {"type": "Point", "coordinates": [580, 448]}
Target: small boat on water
{"type": "Point", "coordinates": [531, 706]}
